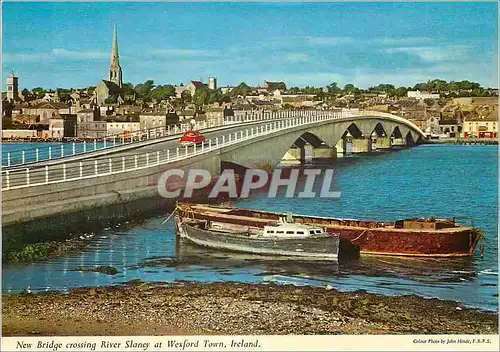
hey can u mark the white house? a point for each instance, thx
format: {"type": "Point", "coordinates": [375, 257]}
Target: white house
{"type": "Point", "coordinates": [422, 95]}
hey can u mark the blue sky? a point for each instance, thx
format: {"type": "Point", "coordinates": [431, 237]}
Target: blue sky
{"type": "Point", "coordinates": [69, 44]}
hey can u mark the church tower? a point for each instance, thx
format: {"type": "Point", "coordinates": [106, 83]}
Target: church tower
{"type": "Point", "coordinates": [115, 71]}
{"type": "Point", "coordinates": [12, 87]}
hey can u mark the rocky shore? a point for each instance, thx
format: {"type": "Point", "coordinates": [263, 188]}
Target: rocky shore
{"type": "Point", "coordinates": [227, 308]}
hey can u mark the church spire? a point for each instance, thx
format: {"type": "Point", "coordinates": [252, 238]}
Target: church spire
{"type": "Point", "coordinates": [114, 51]}
{"type": "Point", "coordinates": [115, 71]}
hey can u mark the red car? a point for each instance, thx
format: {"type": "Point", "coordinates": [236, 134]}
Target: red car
{"type": "Point", "coordinates": [192, 138]}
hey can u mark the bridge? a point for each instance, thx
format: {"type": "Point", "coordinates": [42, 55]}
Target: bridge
{"type": "Point", "coordinates": [127, 172]}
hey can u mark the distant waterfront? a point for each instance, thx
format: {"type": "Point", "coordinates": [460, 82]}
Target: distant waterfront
{"type": "Point", "coordinates": [428, 180]}
{"type": "Point", "coordinates": [15, 149]}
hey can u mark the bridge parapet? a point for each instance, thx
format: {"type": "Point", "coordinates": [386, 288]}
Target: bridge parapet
{"type": "Point", "coordinates": [35, 176]}
{"type": "Point", "coordinates": [88, 146]}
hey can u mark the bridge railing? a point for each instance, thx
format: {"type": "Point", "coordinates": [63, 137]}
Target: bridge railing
{"type": "Point", "coordinates": [57, 151]}
{"type": "Point", "coordinates": [33, 175]}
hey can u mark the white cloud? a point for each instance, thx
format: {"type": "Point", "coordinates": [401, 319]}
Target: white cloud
{"type": "Point", "coordinates": [433, 53]}
{"type": "Point", "coordinates": [402, 41]}
{"type": "Point", "coordinates": [53, 55]}
{"type": "Point", "coordinates": [70, 54]}
{"type": "Point", "coordinates": [31, 57]}
{"type": "Point", "coordinates": [332, 41]}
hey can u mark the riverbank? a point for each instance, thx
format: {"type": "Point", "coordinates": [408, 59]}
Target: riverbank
{"type": "Point", "coordinates": [463, 141]}
{"type": "Point", "coordinates": [229, 308]}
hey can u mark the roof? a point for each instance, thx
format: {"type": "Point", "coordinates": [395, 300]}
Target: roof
{"type": "Point", "coordinates": [297, 98]}
{"type": "Point", "coordinates": [51, 105]}
{"type": "Point", "coordinates": [123, 118]}
{"type": "Point", "coordinates": [24, 117]}
{"type": "Point", "coordinates": [448, 122]}
{"type": "Point", "coordinates": [214, 109]}
{"type": "Point", "coordinates": [270, 82]}
{"type": "Point", "coordinates": [84, 111]}
{"type": "Point", "coordinates": [198, 84]}
{"type": "Point", "coordinates": [274, 85]}
{"type": "Point", "coordinates": [154, 113]}
{"type": "Point", "coordinates": [112, 86]}
{"type": "Point", "coordinates": [491, 116]}
{"type": "Point", "coordinates": [264, 102]}
{"type": "Point", "coordinates": [186, 113]}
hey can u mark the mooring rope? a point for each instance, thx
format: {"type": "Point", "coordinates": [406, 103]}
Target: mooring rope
{"type": "Point", "coordinates": [357, 238]}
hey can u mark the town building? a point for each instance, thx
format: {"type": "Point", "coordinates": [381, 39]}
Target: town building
{"type": "Point", "coordinates": [226, 90]}
{"type": "Point", "coordinates": [450, 128]}
{"type": "Point", "coordinates": [91, 129]}
{"type": "Point", "coordinates": [153, 119]}
{"type": "Point", "coordinates": [475, 101]}
{"type": "Point", "coordinates": [272, 86]}
{"type": "Point", "coordinates": [193, 85]}
{"type": "Point", "coordinates": [422, 95]}
{"type": "Point", "coordinates": [56, 126]}
{"type": "Point", "coordinates": [126, 124]}
{"type": "Point", "coordinates": [217, 115]}
{"type": "Point", "coordinates": [186, 115]}
{"type": "Point", "coordinates": [69, 125]}
{"type": "Point", "coordinates": [51, 97]}
{"type": "Point", "coordinates": [88, 115]}
{"type": "Point", "coordinates": [47, 111]}
{"type": "Point", "coordinates": [481, 126]}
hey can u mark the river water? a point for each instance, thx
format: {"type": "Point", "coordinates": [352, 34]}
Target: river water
{"type": "Point", "coordinates": [427, 180]}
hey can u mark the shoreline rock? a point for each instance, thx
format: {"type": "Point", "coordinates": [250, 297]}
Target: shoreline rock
{"type": "Point", "coordinates": [232, 308]}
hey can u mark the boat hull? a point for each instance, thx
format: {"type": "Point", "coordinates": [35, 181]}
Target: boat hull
{"type": "Point", "coordinates": [325, 247]}
{"type": "Point", "coordinates": [372, 237]}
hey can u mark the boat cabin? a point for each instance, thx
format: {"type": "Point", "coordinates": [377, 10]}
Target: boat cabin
{"type": "Point", "coordinates": [291, 230]}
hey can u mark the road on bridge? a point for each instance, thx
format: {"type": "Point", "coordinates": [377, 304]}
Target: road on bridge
{"type": "Point", "coordinates": [116, 159]}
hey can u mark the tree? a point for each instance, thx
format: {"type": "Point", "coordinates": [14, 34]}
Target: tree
{"type": "Point", "coordinates": [333, 87]}
{"type": "Point", "coordinates": [28, 96]}
{"type": "Point", "coordinates": [437, 85]}
{"type": "Point", "coordinates": [215, 95]}
{"type": "Point", "coordinates": [200, 97]}
{"type": "Point", "coordinates": [242, 89]}
{"type": "Point", "coordinates": [453, 86]}
{"type": "Point", "coordinates": [383, 87]}
{"type": "Point", "coordinates": [163, 92]}
{"type": "Point", "coordinates": [128, 89]}
{"type": "Point", "coordinates": [186, 97]}
{"type": "Point", "coordinates": [143, 90]}
{"type": "Point", "coordinates": [112, 99]}
{"type": "Point", "coordinates": [467, 85]}
{"type": "Point", "coordinates": [39, 92]}
{"type": "Point", "coordinates": [351, 88]}
{"type": "Point", "coordinates": [421, 87]}
{"type": "Point", "coordinates": [401, 91]}
{"type": "Point", "coordinates": [177, 103]}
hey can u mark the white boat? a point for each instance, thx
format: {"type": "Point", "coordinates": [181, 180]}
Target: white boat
{"type": "Point", "coordinates": [279, 238]}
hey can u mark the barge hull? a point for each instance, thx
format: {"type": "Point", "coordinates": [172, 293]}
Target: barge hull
{"type": "Point", "coordinates": [371, 237]}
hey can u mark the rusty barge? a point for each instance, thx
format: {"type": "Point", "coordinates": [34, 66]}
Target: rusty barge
{"type": "Point", "coordinates": [410, 237]}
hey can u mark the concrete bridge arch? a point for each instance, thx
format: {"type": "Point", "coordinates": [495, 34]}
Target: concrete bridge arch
{"type": "Point", "coordinates": [267, 150]}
